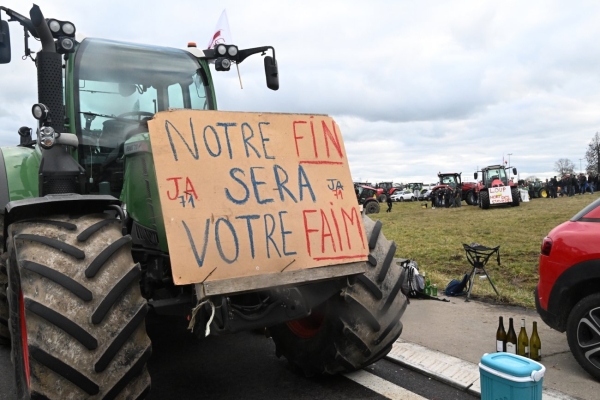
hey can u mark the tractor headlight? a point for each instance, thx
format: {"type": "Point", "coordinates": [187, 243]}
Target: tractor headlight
{"type": "Point", "coordinates": [221, 49]}
{"type": "Point", "coordinates": [54, 25]}
{"type": "Point", "coordinates": [232, 51]}
{"type": "Point", "coordinates": [68, 28]}
{"type": "Point", "coordinates": [47, 137]}
{"type": "Point", "coordinates": [61, 28]}
{"type": "Point", "coordinates": [65, 45]}
{"type": "Point", "coordinates": [40, 111]}
{"type": "Point", "coordinates": [222, 64]}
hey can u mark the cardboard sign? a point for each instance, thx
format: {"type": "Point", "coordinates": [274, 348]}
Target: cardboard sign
{"type": "Point", "coordinates": [500, 195]}
{"type": "Point", "coordinates": [250, 193]}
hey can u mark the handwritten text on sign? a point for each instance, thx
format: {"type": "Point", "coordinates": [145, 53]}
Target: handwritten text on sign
{"type": "Point", "coordinates": [500, 195]}
{"type": "Point", "coordinates": [245, 193]}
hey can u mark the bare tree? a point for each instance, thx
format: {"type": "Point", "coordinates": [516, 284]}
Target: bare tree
{"type": "Point", "coordinates": [532, 178]}
{"type": "Point", "coordinates": [564, 166]}
{"type": "Point", "coordinates": [591, 156]}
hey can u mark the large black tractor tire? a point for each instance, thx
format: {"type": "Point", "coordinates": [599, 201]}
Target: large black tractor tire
{"type": "Point", "coordinates": [76, 311]}
{"type": "Point", "coordinates": [4, 332]}
{"type": "Point", "coordinates": [372, 207]}
{"type": "Point", "coordinates": [355, 327]}
{"type": "Point", "coordinates": [516, 196]}
{"type": "Point", "coordinates": [582, 334]}
{"type": "Point", "coordinates": [484, 200]}
{"type": "Point", "coordinates": [470, 198]}
{"type": "Point", "coordinates": [382, 198]}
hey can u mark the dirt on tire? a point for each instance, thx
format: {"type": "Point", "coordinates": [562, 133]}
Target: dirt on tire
{"type": "Point", "coordinates": [75, 285]}
{"type": "Point", "coordinates": [360, 324]}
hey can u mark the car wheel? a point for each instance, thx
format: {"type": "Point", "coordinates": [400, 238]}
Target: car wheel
{"type": "Point", "coordinates": [401, 199]}
{"type": "Point", "coordinates": [583, 334]}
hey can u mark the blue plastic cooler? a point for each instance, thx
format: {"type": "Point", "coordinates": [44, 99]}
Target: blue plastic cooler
{"type": "Point", "coordinates": [508, 376]}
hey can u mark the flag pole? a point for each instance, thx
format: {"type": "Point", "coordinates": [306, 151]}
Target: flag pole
{"type": "Point", "coordinates": [239, 76]}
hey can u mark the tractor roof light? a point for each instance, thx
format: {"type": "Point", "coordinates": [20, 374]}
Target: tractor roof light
{"type": "Point", "coordinates": [54, 26]}
{"type": "Point", "coordinates": [68, 28]}
{"type": "Point", "coordinates": [47, 137]}
{"type": "Point", "coordinates": [221, 49]}
{"type": "Point", "coordinates": [40, 112]}
{"type": "Point", "coordinates": [222, 64]}
{"type": "Point", "coordinates": [65, 45]}
{"type": "Point", "coordinates": [232, 51]}
{"type": "Point", "coordinates": [61, 28]}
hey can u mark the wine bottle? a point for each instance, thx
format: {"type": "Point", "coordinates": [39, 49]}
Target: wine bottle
{"type": "Point", "coordinates": [501, 336]}
{"type": "Point", "coordinates": [511, 338]}
{"type": "Point", "coordinates": [535, 345]}
{"type": "Point", "coordinates": [523, 342]}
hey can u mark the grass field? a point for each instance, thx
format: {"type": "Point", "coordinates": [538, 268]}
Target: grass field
{"type": "Point", "coordinates": [434, 238]}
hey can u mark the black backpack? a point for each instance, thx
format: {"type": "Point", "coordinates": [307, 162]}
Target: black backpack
{"type": "Point", "coordinates": [456, 287]}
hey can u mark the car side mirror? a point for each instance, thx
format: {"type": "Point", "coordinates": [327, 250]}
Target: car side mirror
{"type": "Point", "coordinates": [4, 43]}
{"type": "Point", "coordinates": [514, 171]}
{"type": "Point", "coordinates": [271, 73]}
{"type": "Point", "coordinates": [475, 175]}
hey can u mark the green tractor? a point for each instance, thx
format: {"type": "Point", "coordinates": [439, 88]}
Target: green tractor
{"type": "Point", "coordinates": [537, 189]}
{"type": "Point", "coordinates": [85, 256]}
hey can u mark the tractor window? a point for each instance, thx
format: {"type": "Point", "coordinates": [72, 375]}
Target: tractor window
{"type": "Point", "coordinates": [496, 173]}
{"type": "Point", "coordinates": [118, 88]}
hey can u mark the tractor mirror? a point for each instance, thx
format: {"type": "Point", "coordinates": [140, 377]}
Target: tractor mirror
{"type": "Point", "coordinates": [4, 43]}
{"type": "Point", "coordinates": [475, 175]}
{"type": "Point", "coordinates": [514, 171]}
{"type": "Point", "coordinates": [271, 73]}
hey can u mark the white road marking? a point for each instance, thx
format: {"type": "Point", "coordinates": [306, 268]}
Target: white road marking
{"type": "Point", "coordinates": [381, 386]}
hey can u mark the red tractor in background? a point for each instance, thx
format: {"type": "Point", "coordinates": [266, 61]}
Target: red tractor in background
{"type": "Point", "coordinates": [367, 197]}
{"type": "Point", "coordinates": [496, 188]}
{"type": "Point", "coordinates": [452, 181]}
{"type": "Point", "coordinates": [386, 187]}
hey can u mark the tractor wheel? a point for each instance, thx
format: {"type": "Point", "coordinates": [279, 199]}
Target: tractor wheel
{"type": "Point", "coordinates": [76, 311]}
{"type": "Point", "coordinates": [470, 198]}
{"type": "Point", "coordinates": [4, 332]}
{"type": "Point", "coordinates": [372, 207]}
{"type": "Point", "coordinates": [484, 199]}
{"type": "Point", "coordinates": [516, 196]}
{"type": "Point", "coordinates": [382, 198]}
{"type": "Point", "coordinates": [356, 327]}
{"type": "Point", "coordinates": [583, 335]}
{"type": "Point", "coordinates": [543, 193]}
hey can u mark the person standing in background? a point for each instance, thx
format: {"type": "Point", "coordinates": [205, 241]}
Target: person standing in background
{"type": "Point", "coordinates": [582, 184]}
{"type": "Point", "coordinates": [554, 189]}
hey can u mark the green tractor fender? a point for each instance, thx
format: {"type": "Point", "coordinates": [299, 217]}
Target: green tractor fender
{"type": "Point", "coordinates": [52, 204]}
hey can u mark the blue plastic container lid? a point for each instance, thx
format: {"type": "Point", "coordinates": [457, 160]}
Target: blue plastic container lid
{"type": "Point", "coordinates": [511, 364]}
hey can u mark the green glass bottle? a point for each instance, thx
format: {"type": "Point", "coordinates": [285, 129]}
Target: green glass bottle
{"type": "Point", "coordinates": [501, 336]}
{"type": "Point", "coordinates": [535, 345]}
{"type": "Point", "coordinates": [523, 341]}
{"type": "Point", "coordinates": [511, 338]}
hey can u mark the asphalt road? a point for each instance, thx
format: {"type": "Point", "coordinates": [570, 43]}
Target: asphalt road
{"type": "Point", "coordinates": [244, 366]}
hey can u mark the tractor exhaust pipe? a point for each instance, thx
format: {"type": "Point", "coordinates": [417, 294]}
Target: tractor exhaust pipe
{"type": "Point", "coordinates": [49, 72]}
{"type": "Point", "coordinates": [37, 18]}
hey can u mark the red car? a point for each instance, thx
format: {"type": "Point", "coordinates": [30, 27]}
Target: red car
{"type": "Point", "coordinates": [567, 296]}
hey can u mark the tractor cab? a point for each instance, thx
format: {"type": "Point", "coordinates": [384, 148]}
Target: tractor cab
{"type": "Point", "coordinates": [116, 88]}
{"type": "Point", "coordinates": [495, 175]}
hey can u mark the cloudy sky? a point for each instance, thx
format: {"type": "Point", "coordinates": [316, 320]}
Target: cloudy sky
{"type": "Point", "coordinates": [416, 87]}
